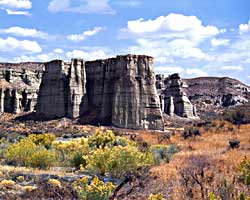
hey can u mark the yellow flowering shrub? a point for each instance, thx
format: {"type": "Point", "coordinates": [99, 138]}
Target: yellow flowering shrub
{"type": "Point", "coordinates": [93, 190]}
{"type": "Point", "coordinates": [156, 197]}
{"type": "Point", "coordinates": [71, 152]}
{"type": "Point", "coordinates": [29, 188]}
{"type": "Point", "coordinates": [20, 179]}
{"type": "Point", "coordinates": [117, 161]}
{"type": "Point", "coordinates": [244, 170]}
{"type": "Point", "coordinates": [27, 153]}
{"type": "Point", "coordinates": [7, 184]}
{"type": "Point", "coordinates": [42, 158]}
{"type": "Point", "coordinates": [102, 139]}
{"type": "Point", "coordinates": [55, 183]}
{"type": "Point", "coordinates": [43, 139]}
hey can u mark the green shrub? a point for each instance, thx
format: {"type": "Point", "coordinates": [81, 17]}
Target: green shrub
{"type": "Point", "coordinates": [27, 153]}
{"type": "Point", "coordinates": [212, 196]}
{"type": "Point", "coordinates": [77, 161]}
{"type": "Point", "coordinates": [43, 139]}
{"type": "Point", "coordinates": [162, 153]}
{"type": "Point", "coordinates": [191, 132]}
{"type": "Point", "coordinates": [244, 170]}
{"type": "Point", "coordinates": [117, 161]}
{"type": "Point", "coordinates": [68, 152]}
{"type": "Point", "coordinates": [94, 190]}
{"type": "Point", "coordinates": [42, 158]}
{"type": "Point", "coordinates": [101, 139]}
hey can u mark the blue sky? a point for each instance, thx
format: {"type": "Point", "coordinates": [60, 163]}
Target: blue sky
{"type": "Point", "coordinates": [191, 37]}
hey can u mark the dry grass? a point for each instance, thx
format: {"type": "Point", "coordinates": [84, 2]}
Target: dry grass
{"type": "Point", "coordinates": [213, 143]}
{"type": "Point", "coordinates": [6, 169]}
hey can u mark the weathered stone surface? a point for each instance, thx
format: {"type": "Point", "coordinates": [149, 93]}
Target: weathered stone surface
{"type": "Point", "coordinates": [19, 84]}
{"type": "Point", "coordinates": [174, 98]}
{"type": "Point", "coordinates": [212, 93]}
{"type": "Point", "coordinates": [77, 97]}
{"type": "Point", "coordinates": [118, 90]}
{"type": "Point", "coordinates": [124, 91]}
{"type": "Point", "coordinates": [62, 91]}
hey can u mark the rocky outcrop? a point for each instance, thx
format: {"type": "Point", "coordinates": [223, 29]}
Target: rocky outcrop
{"type": "Point", "coordinates": [120, 91]}
{"type": "Point", "coordinates": [206, 94]}
{"type": "Point", "coordinates": [174, 99]}
{"type": "Point", "coordinates": [19, 85]}
{"type": "Point", "coordinates": [212, 93]}
{"type": "Point", "coordinates": [62, 89]}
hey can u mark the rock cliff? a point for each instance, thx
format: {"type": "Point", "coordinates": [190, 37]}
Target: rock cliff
{"type": "Point", "coordinates": [210, 93]}
{"type": "Point", "coordinates": [62, 89]}
{"type": "Point", "coordinates": [206, 94]}
{"type": "Point", "coordinates": [174, 101]}
{"type": "Point", "coordinates": [19, 85]}
{"type": "Point", "coordinates": [120, 91]}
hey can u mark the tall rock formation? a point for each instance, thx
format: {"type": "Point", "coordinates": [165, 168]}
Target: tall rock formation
{"type": "Point", "coordinates": [62, 89]}
{"type": "Point", "coordinates": [122, 90]}
{"type": "Point", "coordinates": [118, 90]}
{"type": "Point", "coordinates": [19, 84]}
{"type": "Point", "coordinates": [174, 98]}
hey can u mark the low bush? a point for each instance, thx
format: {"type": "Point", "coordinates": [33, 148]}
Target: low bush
{"type": "Point", "coordinates": [234, 144]}
{"type": "Point", "coordinates": [93, 190]}
{"type": "Point", "coordinates": [43, 139]}
{"type": "Point", "coordinates": [238, 115]}
{"type": "Point", "coordinates": [7, 184]}
{"type": "Point", "coordinates": [244, 170]}
{"type": "Point", "coordinates": [163, 153]}
{"type": "Point", "coordinates": [70, 153]}
{"type": "Point", "coordinates": [117, 161]}
{"type": "Point", "coordinates": [102, 139]}
{"type": "Point", "coordinates": [191, 133]}
{"type": "Point", "coordinates": [27, 153]}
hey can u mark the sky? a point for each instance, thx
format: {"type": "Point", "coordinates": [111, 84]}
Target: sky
{"type": "Point", "coordinates": [190, 37]}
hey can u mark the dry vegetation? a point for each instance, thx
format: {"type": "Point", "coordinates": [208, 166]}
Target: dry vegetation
{"type": "Point", "coordinates": [199, 165]}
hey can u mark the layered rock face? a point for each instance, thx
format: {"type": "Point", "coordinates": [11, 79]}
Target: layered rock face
{"type": "Point", "coordinates": [19, 85]}
{"type": "Point", "coordinates": [206, 94]}
{"type": "Point", "coordinates": [62, 89]}
{"type": "Point", "coordinates": [210, 93]}
{"type": "Point", "coordinates": [174, 100]}
{"type": "Point", "coordinates": [118, 90]}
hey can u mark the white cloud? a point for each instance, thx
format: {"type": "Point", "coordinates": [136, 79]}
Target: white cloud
{"type": "Point", "coordinates": [13, 12]}
{"type": "Point", "coordinates": [170, 38]}
{"type": "Point", "coordinates": [87, 55]}
{"type": "Point", "coordinates": [16, 4]}
{"type": "Point", "coordinates": [58, 51]}
{"type": "Point", "coordinates": [12, 44]}
{"type": "Point", "coordinates": [83, 6]}
{"type": "Point", "coordinates": [219, 42]}
{"type": "Point", "coordinates": [84, 35]}
{"type": "Point", "coordinates": [12, 7]}
{"type": "Point", "coordinates": [195, 72]}
{"type": "Point", "coordinates": [244, 28]}
{"type": "Point", "coordinates": [24, 32]}
{"type": "Point", "coordinates": [232, 68]}
{"type": "Point", "coordinates": [170, 26]}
